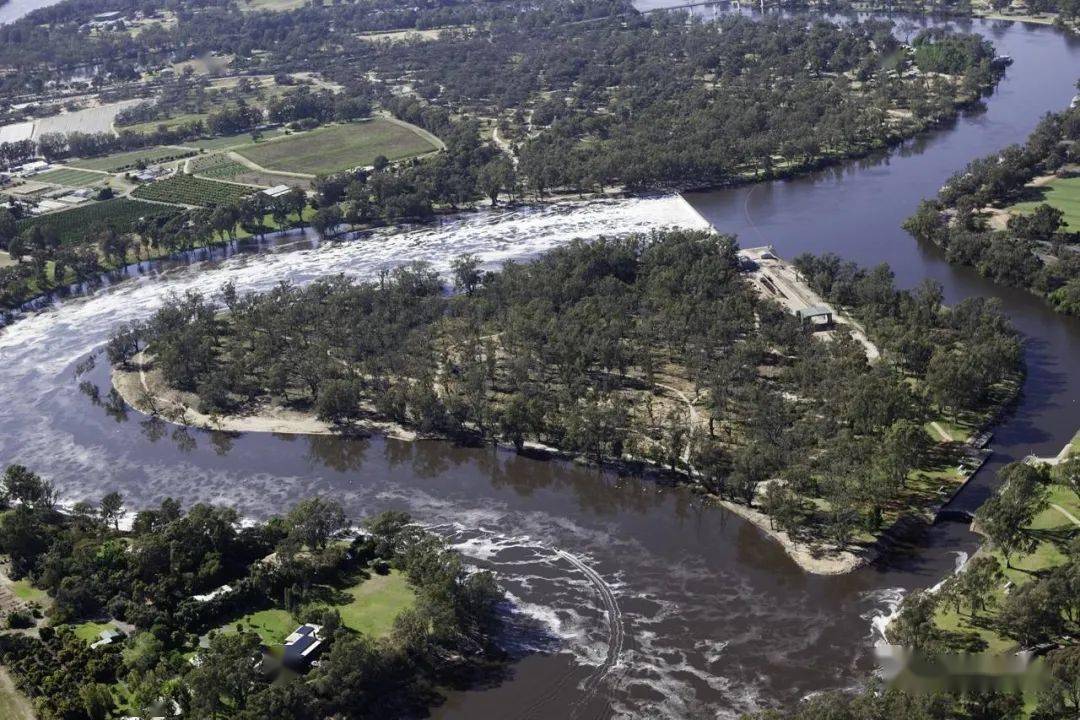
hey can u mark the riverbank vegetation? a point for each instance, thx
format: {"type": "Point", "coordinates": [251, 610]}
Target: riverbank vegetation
{"type": "Point", "coordinates": [1006, 214]}
{"type": "Point", "coordinates": [204, 603]}
{"type": "Point", "coordinates": [564, 98]}
{"type": "Point", "coordinates": [1021, 591]}
{"type": "Point", "coordinates": [1061, 13]}
{"type": "Point", "coordinates": [642, 350]}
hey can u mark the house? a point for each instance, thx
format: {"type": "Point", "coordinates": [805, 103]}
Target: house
{"type": "Point", "coordinates": [302, 647]}
{"type": "Point", "coordinates": [816, 316]}
{"type": "Point", "coordinates": [107, 637]}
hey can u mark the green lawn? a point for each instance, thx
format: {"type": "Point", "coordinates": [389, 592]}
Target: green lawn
{"type": "Point", "coordinates": [1054, 531]}
{"type": "Point", "coordinates": [89, 631]}
{"type": "Point", "coordinates": [71, 177]}
{"type": "Point", "coordinates": [376, 603]}
{"type": "Point", "coordinates": [1062, 193]}
{"type": "Point", "coordinates": [337, 147]}
{"type": "Point", "coordinates": [273, 625]}
{"type": "Point", "coordinates": [25, 591]}
{"type": "Point", "coordinates": [129, 160]}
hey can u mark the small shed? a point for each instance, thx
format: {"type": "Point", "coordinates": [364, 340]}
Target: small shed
{"type": "Point", "coordinates": [817, 316]}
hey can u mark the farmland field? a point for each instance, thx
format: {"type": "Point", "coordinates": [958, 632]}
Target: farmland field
{"type": "Point", "coordinates": [217, 166]}
{"type": "Point", "coordinates": [1062, 193]}
{"type": "Point", "coordinates": [190, 190]}
{"type": "Point", "coordinates": [72, 226]}
{"type": "Point", "coordinates": [337, 147]}
{"type": "Point", "coordinates": [71, 177]}
{"type": "Point", "coordinates": [228, 141]}
{"type": "Point", "coordinates": [169, 122]}
{"type": "Point", "coordinates": [129, 160]}
{"type": "Point", "coordinates": [91, 119]}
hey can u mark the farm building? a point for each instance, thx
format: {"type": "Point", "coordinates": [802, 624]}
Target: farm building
{"type": "Point", "coordinates": [277, 191]}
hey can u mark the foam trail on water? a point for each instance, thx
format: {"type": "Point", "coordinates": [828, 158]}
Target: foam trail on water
{"type": "Point", "coordinates": [40, 346]}
{"type": "Point", "coordinates": [888, 601]}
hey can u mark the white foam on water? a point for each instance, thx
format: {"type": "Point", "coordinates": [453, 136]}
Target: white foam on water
{"type": "Point", "coordinates": [887, 606]}
{"type": "Point", "coordinates": [583, 608]}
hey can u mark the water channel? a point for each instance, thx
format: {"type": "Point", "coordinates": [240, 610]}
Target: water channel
{"type": "Point", "coordinates": [634, 600]}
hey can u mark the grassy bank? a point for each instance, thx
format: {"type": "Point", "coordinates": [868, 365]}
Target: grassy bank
{"type": "Point", "coordinates": [1053, 531]}
{"type": "Point", "coordinates": [337, 147]}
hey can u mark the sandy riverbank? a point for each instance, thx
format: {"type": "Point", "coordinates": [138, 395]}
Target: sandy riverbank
{"type": "Point", "coordinates": [817, 561]}
{"type": "Point", "coordinates": [143, 388]}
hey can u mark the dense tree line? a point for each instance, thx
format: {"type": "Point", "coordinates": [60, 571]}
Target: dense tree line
{"type": "Point", "coordinates": [147, 575]}
{"type": "Point", "coordinates": [1068, 10]}
{"type": "Point", "coordinates": [1033, 251]}
{"type": "Point", "coordinates": [625, 99]}
{"type": "Point", "coordinates": [575, 349]}
{"type": "Point", "coordinates": [660, 100]}
{"type": "Point", "coordinates": [46, 259]}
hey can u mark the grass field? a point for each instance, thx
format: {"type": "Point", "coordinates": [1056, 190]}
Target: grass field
{"type": "Point", "coordinates": [170, 122]}
{"type": "Point", "coordinates": [5, 259]}
{"type": "Point", "coordinates": [75, 225]}
{"type": "Point", "coordinates": [190, 190]}
{"type": "Point", "coordinates": [25, 591]}
{"type": "Point", "coordinates": [217, 166]}
{"type": "Point", "coordinates": [273, 626]}
{"type": "Point", "coordinates": [229, 141]}
{"type": "Point", "coordinates": [376, 603]}
{"type": "Point", "coordinates": [337, 147]}
{"type": "Point", "coordinates": [271, 5]}
{"type": "Point", "coordinates": [1064, 194]}
{"type": "Point", "coordinates": [88, 631]}
{"type": "Point", "coordinates": [71, 177]}
{"type": "Point", "coordinates": [128, 160]}
{"type": "Point", "coordinates": [1054, 531]}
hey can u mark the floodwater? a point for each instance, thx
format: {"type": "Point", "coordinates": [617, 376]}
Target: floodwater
{"type": "Point", "coordinates": [16, 9]}
{"type": "Point", "coordinates": [630, 599]}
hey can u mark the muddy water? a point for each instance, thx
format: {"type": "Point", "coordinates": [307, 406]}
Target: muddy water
{"type": "Point", "coordinates": [12, 10]}
{"type": "Point", "coordinates": [631, 600]}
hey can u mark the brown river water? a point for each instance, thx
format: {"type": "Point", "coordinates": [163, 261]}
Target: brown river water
{"type": "Point", "coordinates": [626, 598]}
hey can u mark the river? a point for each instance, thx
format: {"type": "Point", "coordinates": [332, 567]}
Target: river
{"type": "Point", "coordinates": [13, 10]}
{"type": "Point", "coordinates": [631, 599]}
